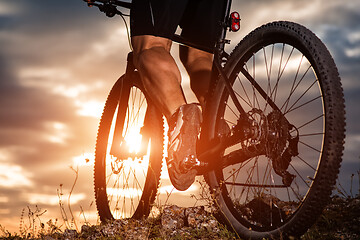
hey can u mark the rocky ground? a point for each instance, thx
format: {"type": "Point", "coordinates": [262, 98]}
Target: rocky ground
{"type": "Point", "coordinates": [340, 220]}
{"type": "Point", "coordinates": [174, 223]}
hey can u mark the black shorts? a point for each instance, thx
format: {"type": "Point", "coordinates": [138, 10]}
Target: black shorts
{"type": "Point", "coordinates": [199, 19]}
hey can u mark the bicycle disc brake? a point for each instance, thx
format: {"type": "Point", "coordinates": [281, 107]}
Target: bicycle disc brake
{"type": "Point", "coordinates": [252, 143]}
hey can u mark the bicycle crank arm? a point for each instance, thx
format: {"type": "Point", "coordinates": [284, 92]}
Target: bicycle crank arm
{"type": "Point", "coordinates": [210, 159]}
{"type": "Point", "coordinates": [241, 155]}
{"type": "Point", "coordinates": [210, 155]}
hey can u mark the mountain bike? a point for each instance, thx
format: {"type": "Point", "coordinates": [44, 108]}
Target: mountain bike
{"type": "Point", "coordinates": [271, 140]}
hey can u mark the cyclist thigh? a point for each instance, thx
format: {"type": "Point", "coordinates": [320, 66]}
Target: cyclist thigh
{"type": "Point", "coordinates": [201, 22]}
{"type": "Point", "coordinates": [199, 19]}
{"type": "Point", "coordinates": [156, 17]}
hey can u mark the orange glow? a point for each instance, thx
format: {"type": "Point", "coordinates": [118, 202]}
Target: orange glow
{"type": "Point", "coordinates": [90, 108]}
{"type": "Point", "coordinates": [84, 159]}
{"type": "Point", "coordinates": [133, 139]}
{"type": "Point", "coordinates": [128, 193]}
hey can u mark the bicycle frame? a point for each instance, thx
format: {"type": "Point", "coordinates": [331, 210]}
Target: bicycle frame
{"type": "Point", "coordinates": [109, 7]}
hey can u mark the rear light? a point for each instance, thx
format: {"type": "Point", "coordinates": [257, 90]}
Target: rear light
{"type": "Point", "coordinates": [235, 21]}
{"type": "Point", "coordinates": [89, 2]}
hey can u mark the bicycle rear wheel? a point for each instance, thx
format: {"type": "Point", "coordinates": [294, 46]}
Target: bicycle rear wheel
{"type": "Point", "coordinates": [129, 152]}
{"type": "Point", "coordinates": [281, 178]}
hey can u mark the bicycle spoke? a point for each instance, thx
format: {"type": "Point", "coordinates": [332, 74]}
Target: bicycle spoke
{"type": "Point", "coordinates": [281, 57]}
{"type": "Point", "coordinates": [311, 134]}
{"type": "Point", "coordinates": [230, 122]}
{"type": "Point", "coordinates": [240, 97]}
{"type": "Point", "coordinates": [248, 101]}
{"type": "Point", "coordinates": [307, 145]}
{"type": "Point", "coordinates": [310, 121]}
{"type": "Point", "coordinates": [297, 195]}
{"type": "Point", "coordinates": [265, 177]}
{"type": "Point", "coordinates": [275, 89]}
{"type": "Point", "coordinates": [235, 172]}
{"type": "Point", "coordinates": [302, 95]}
{"type": "Point", "coordinates": [302, 105]}
{"type": "Point", "coordinates": [232, 110]}
{"type": "Point", "coordinates": [282, 70]}
{"type": "Point", "coordinates": [298, 174]}
{"type": "Point", "coordinates": [287, 61]}
{"type": "Point", "coordinates": [137, 115]}
{"type": "Point", "coordinates": [268, 73]}
{"type": "Point", "coordinates": [312, 168]}
{"type": "Point", "coordinates": [293, 88]}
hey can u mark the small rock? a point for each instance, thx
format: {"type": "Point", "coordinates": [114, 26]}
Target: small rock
{"type": "Point", "coordinates": [49, 238]}
{"type": "Point", "coordinates": [85, 228]}
{"type": "Point", "coordinates": [195, 216]}
{"type": "Point", "coordinates": [70, 233]}
{"type": "Point", "coordinates": [173, 218]}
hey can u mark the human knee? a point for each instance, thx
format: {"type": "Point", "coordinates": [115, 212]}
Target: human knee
{"type": "Point", "coordinates": [153, 59]}
{"type": "Point", "coordinates": [143, 57]}
{"type": "Point", "coordinates": [145, 46]}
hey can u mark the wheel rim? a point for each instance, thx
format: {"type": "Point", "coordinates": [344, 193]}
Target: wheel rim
{"type": "Point", "coordinates": [252, 190]}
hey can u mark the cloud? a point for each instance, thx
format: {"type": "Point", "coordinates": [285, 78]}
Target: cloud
{"type": "Point", "coordinates": [51, 199]}
{"type": "Point", "coordinates": [11, 175]}
{"type": "Point", "coordinates": [9, 8]}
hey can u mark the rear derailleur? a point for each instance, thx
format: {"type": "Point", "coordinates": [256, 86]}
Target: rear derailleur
{"type": "Point", "coordinates": [280, 145]}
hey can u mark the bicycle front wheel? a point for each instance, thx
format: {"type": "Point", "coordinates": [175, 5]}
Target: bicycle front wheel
{"type": "Point", "coordinates": [279, 179]}
{"type": "Point", "coordinates": [129, 152]}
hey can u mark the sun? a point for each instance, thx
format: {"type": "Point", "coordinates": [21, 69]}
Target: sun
{"type": "Point", "coordinates": [133, 139]}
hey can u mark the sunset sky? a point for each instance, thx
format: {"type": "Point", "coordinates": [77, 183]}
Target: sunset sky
{"type": "Point", "coordinates": [59, 59]}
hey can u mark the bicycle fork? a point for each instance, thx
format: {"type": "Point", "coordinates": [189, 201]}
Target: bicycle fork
{"type": "Point", "coordinates": [118, 147]}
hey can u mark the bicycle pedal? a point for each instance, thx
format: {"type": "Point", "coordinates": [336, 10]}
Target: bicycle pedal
{"type": "Point", "coordinates": [189, 163]}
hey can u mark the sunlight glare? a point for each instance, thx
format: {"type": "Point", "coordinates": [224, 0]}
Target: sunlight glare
{"type": "Point", "coordinates": [90, 108]}
{"type": "Point", "coordinates": [128, 193]}
{"type": "Point", "coordinates": [84, 159]}
{"type": "Point", "coordinates": [133, 139]}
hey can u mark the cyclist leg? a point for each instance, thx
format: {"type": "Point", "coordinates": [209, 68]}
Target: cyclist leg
{"type": "Point", "coordinates": [152, 24]}
{"type": "Point", "coordinates": [159, 72]}
{"type": "Point", "coordinates": [200, 25]}
{"type": "Point", "coordinates": [161, 78]}
{"type": "Point", "coordinates": [198, 65]}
